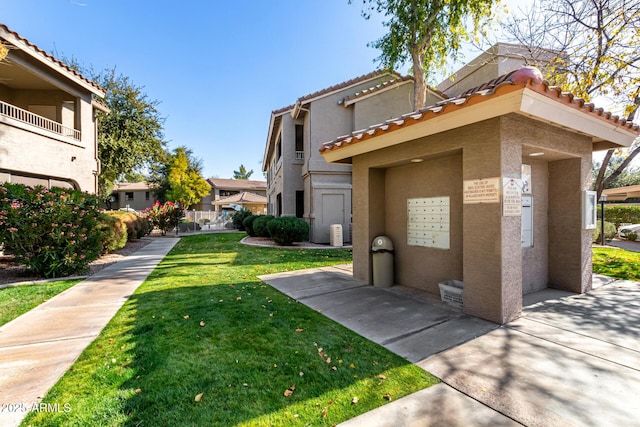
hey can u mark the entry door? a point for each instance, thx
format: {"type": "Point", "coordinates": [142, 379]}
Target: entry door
{"type": "Point", "coordinates": [332, 209]}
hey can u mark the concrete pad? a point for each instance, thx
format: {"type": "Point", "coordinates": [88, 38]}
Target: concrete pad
{"type": "Point", "coordinates": [440, 337]}
{"type": "Point", "coordinates": [540, 383]}
{"type": "Point", "coordinates": [306, 283]}
{"type": "Point", "coordinates": [435, 406]}
{"type": "Point", "coordinates": [378, 315]}
{"type": "Point", "coordinates": [579, 342]}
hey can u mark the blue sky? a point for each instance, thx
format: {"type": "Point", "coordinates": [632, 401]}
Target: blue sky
{"type": "Point", "coordinates": [217, 68]}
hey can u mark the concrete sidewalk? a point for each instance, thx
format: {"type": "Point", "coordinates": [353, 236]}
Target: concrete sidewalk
{"type": "Point", "coordinates": [37, 348]}
{"type": "Point", "coordinates": [569, 360]}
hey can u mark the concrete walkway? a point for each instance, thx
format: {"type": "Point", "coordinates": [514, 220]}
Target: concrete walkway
{"type": "Point", "coordinates": [37, 348]}
{"type": "Point", "coordinates": [570, 360]}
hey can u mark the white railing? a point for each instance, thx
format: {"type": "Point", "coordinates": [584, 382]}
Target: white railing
{"type": "Point", "coordinates": [299, 155]}
{"type": "Point", "coordinates": [206, 220]}
{"type": "Point", "coordinates": [28, 117]}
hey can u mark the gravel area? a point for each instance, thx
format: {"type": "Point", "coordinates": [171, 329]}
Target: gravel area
{"type": "Point", "coordinates": [10, 272]}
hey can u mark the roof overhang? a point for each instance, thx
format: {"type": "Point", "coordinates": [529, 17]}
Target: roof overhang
{"type": "Point", "coordinates": [622, 193]}
{"type": "Point", "coordinates": [504, 99]}
{"type": "Point", "coordinates": [272, 135]}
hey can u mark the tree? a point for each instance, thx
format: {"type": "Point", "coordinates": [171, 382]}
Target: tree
{"type": "Point", "coordinates": [600, 57]}
{"type": "Point", "coordinates": [130, 137]}
{"type": "Point", "coordinates": [242, 173]}
{"type": "Point", "coordinates": [429, 32]}
{"type": "Point", "coordinates": [180, 179]}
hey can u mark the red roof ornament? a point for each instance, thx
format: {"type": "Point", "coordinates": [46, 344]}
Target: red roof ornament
{"type": "Point", "coordinates": [524, 74]}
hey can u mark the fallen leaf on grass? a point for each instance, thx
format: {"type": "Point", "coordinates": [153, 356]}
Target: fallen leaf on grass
{"type": "Point", "coordinates": [138, 390]}
{"type": "Point", "coordinates": [186, 317]}
{"type": "Point", "coordinates": [352, 366]}
{"type": "Point", "coordinates": [270, 314]}
{"type": "Point", "coordinates": [382, 377]}
{"type": "Point", "coordinates": [354, 400]}
{"type": "Point", "coordinates": [387, 397]}
{"type": "Point", "coordinates": [299, 330]}
{"type": "Point", "coordinates": [198, 397]}
{"type": "Point", "coordinates": [201, 323]}
{"type": "Point", "coordinates": [324, 412]}
{"type": "Point", "coordinates": [239, 299]}
{"type": "Point", "coordinates": [288, 393]}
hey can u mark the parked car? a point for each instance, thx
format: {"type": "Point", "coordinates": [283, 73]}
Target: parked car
{"type": "Point", "coordinates": [629, 229]}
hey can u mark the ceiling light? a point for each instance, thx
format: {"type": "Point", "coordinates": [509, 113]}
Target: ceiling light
{"type": "Point", "coordinates": [536, 154]}
{"type": "Point", "coordinates": [417, 160]}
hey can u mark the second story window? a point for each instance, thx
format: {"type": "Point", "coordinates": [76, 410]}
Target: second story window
{"type": "Point", "coordinates": [299, 138]}
{"type": "Point", "coordinates": [146, 195]}
{"type": "Point", "coordinates": [279, 148]}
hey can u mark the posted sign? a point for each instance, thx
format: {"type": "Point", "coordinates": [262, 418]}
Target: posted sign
{"type": "Point", "coordinates": [511, 197]}
{"type": "Point", "coordinates": [486, 190]}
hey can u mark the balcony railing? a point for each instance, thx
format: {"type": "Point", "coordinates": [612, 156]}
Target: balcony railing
{"type": "Point", "coordinates": [299, 155]}
{"type": "Point", "coordinates": [28, 117]}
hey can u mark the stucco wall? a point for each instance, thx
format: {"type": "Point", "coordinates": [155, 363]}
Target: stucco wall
{"type": "Point", "coordinates": [386, 105]}
{"type": "Point", "coordinates": [32, 153]}
{"type": "Point", "coordinates": [486, 249]}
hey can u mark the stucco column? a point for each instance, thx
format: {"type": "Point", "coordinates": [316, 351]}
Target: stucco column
{"type": "Point", "coordinates": [492, 264]}
{"type": "Point", "coordinates": [570, 262]}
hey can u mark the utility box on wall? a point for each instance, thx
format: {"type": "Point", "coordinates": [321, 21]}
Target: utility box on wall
{"type": "Point", "coordinates": [335, 235]}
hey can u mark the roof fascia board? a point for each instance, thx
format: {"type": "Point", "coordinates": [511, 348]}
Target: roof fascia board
{"type": "Point", "coordinates": [393, 85]}
{"type": "Point", "coordinates": [544, 108]}
{"type": "Point", "coordinates": [303, 101]}
{"type": "Point", "coordinates": [46, 61]}
{"type": "Point", "coordinates": [508, 103]}
{"type": "Point", "coordinates": [268, 146]}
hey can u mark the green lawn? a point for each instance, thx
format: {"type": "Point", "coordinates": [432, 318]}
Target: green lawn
{"type": "Point", "coordinates": [618, 263]}
{"type": "Point", "coordinates": [204, 342]}
{"type": "Point", "coordinates": [17, 300]}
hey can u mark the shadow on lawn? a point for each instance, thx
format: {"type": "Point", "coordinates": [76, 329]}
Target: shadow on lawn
{"type": "Point", "coordinates": [252, 345]}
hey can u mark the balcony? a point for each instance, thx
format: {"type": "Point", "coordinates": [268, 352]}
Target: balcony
{"type": "Point", "coordinates": [28, 118]}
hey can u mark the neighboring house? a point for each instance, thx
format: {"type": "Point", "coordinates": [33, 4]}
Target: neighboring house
{"type": "Point", "coordinates": [300, 182]}
{"type": "Point", "coordinates": [48, 127]}
{"type": "Point", "coordinates": [132, 195]}
{"type": "Point", "coordinates": [222, 188]}
{"type": "Point", "coordinates": [489, 188]}
{"type": "Point", "coordinates": [253, 202]}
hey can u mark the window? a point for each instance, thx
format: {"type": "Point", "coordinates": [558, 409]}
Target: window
{"type": "Point", "coordinates": [146, 195]}
{"type": "Point", "coordinates": [279, 204]}
{"type": "Point", "coordinates": [299, 204]}
{"type": "Point", "coordinates": [299, 138]}
{"type": "Point", "coordinates": [128, 195]}
{"type": "Point", "coordinates": [227, 193]}
{"type": "Point", "coordinates": [279, 148]}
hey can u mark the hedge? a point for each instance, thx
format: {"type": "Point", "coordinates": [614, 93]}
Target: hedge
{"type": "Point", "coordinates": [260, 225]}
{"type": "Point", "coordinates": [287, 229]}
{"type": "Point", "coordinates": [621, 214]}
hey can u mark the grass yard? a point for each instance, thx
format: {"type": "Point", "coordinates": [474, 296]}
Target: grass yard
{"type": "Point", "coordinates": [17, 300]}
{"type": "Point", "coordinates": [615, 262]}
{"type": "Point", "coordinates": [204, 342]}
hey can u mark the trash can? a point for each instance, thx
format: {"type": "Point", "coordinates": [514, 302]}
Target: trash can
{"type": "Point", "coordinates": [382, 261]}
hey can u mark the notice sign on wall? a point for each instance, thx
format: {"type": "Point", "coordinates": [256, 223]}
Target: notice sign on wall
{"type": "Point", "coordinates": [511, 197]}
{"type": "Point", "coordinates": [486, 190]}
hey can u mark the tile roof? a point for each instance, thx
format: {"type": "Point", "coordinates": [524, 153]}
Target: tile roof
{"type": "Point", "coordinates": [339, 86]}
{"type": "Point", "coordinates": [505, 84]}
{"type": "Point", "coordinates": [50, 57]}
{"type": "Point", "coordinates": [240, 184]}
{"type": "Point", "coordinates": [131, 186]}
{"type": "Point", "coordinates": [385, 85]}
{"type": "Point", "coordinates": [240, 198]}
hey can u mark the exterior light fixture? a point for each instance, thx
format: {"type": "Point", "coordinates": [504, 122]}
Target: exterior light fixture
{"type": "Point", "coordinates": [538, 154]}
{"type": "Point", "coordinates": [417, 160]}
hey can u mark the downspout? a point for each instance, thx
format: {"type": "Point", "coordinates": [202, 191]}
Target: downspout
{"type": "Point", "coordinates": [311, 216]}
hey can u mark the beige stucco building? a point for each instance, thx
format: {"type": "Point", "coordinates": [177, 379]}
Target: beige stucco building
{"type": "Point", "coordinates": [222, 188]}
{"type": "Point", "coordinates": [300, 182]}
{"type": "Point", "coordinates": [48, 128]}
{"type": "Point", "coordinates": [132, 195]}
{"type": "Point", "coordinates": [489, 188]}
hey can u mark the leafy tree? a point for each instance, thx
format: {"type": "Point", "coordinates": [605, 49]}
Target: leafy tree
{"type": "Point", "coordinates": [628, 176]}
{"type": "Point", "coordinates": [427, 32]}
{"type": "Point", "coordinates": [600, 57]}
{"type": "Point", "coordinates": [130, 136]}
{"type": "Point", "coordinates": [180, 178]}
{"type": "Point", "coordinates": [242, 173]}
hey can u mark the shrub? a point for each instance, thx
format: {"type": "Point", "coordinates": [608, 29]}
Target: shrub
{"type": "Point", "coordinates": [621, 214]}
{"type": "Point", "coordinates": [137, 226]}
{"type": "Point", "coordinates": [164, 216]}
{"type": "Point", "coordinates": [286, 230]}
{"type": "Point", "coordinates": [248, 225]}
{"type": "Point", "coordinates": [51, 232]}
{"type": "Point", "coordinates": [113, 233]}
{"type": "Point", "coordinates": [189, 226]}
{"type": "Point", "coordinates": [238, 218]}
{"type": "Point", "coordinates": [610, 231]}
{"type": "Point", "coordinates": [260, 225]}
